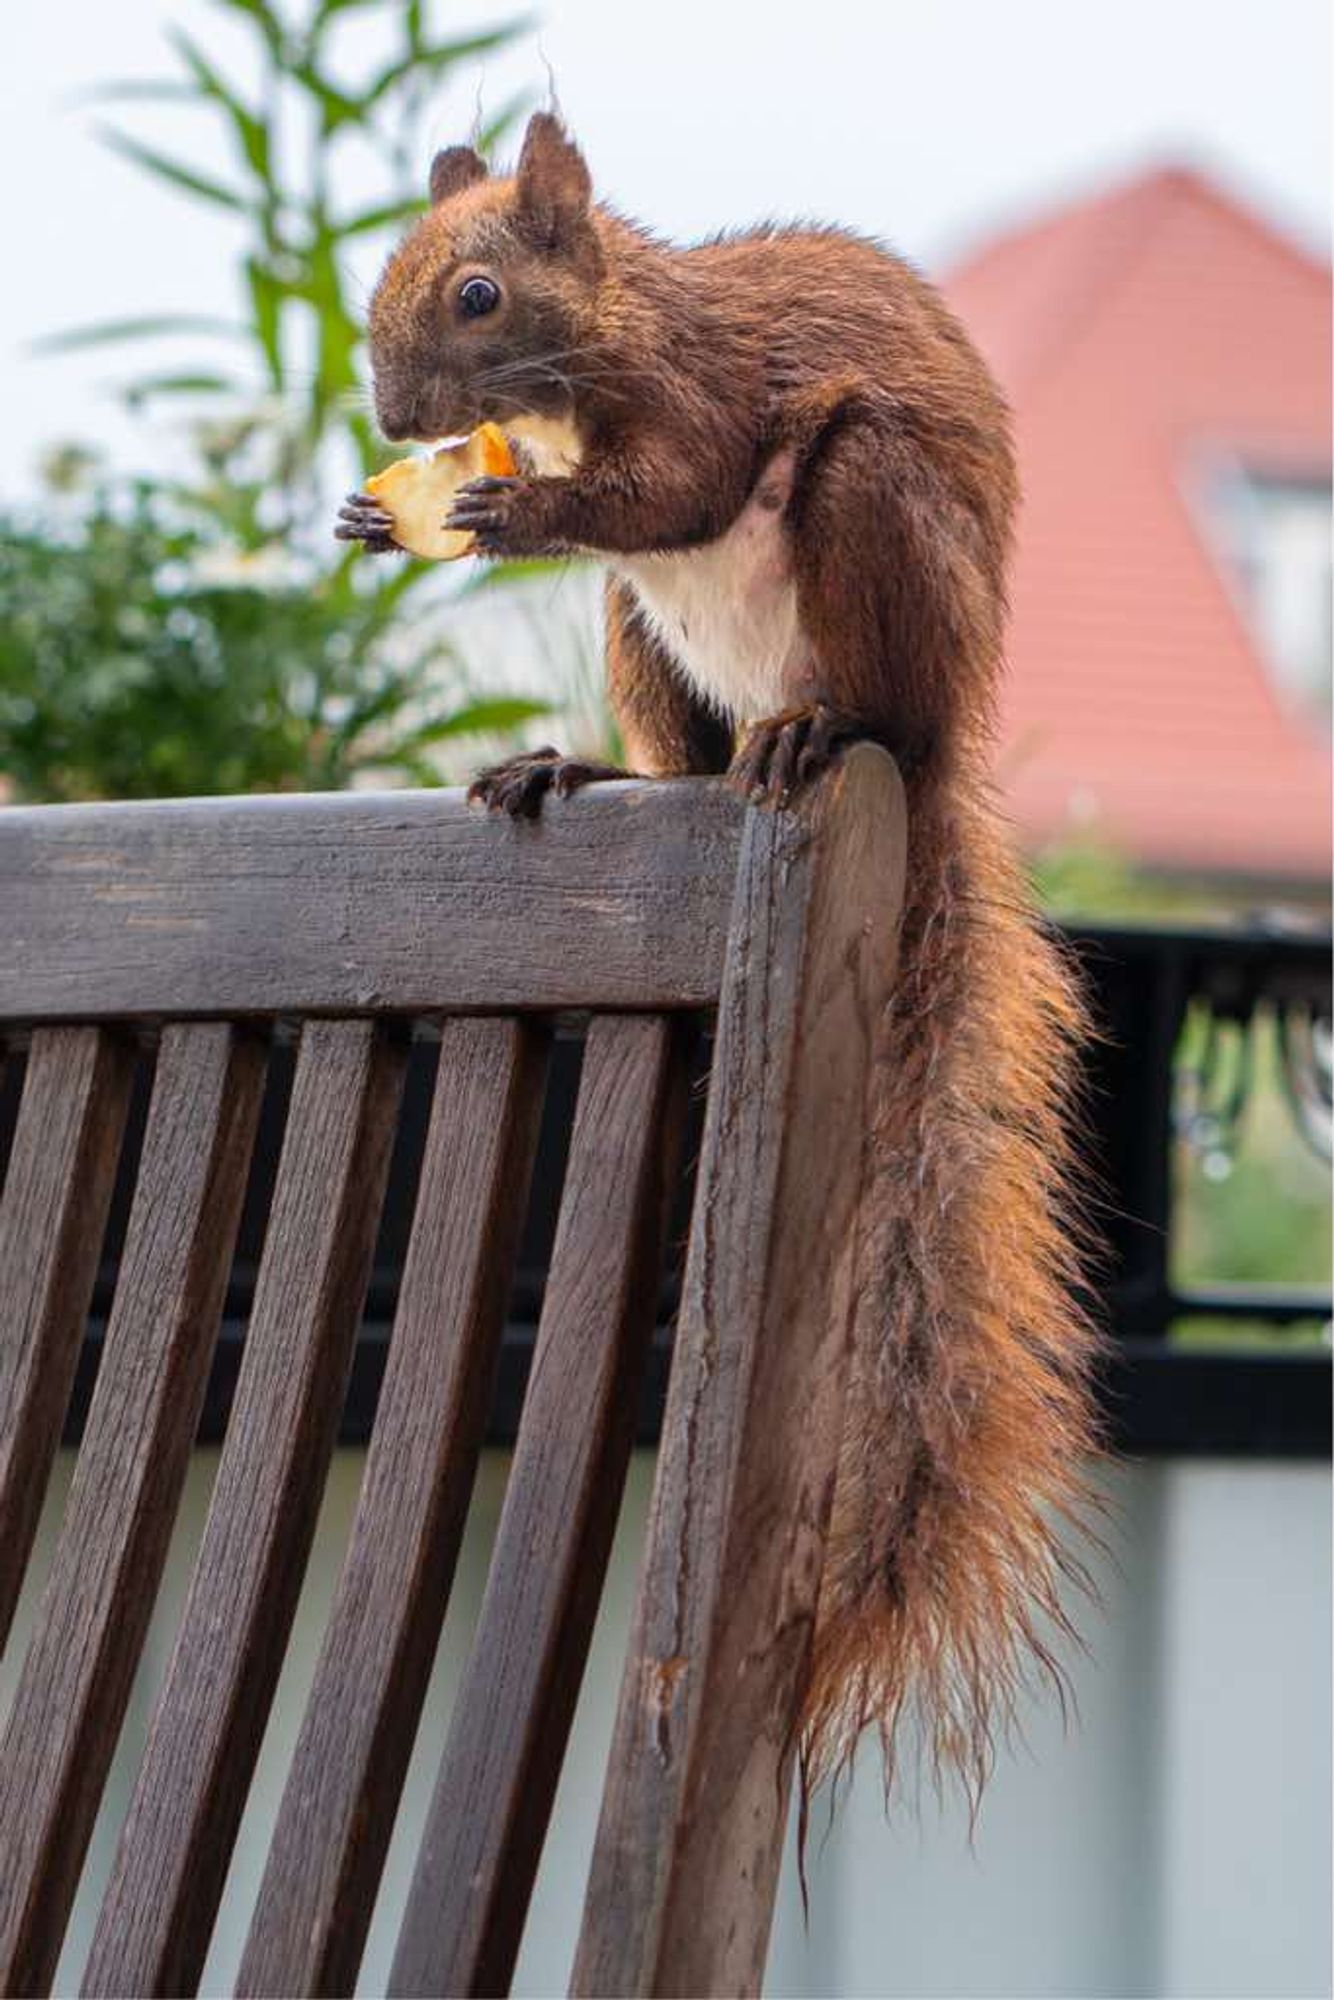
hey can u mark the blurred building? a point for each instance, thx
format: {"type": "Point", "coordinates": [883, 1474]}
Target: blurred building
{"type": "Point", "coordinates": [1167, 354]}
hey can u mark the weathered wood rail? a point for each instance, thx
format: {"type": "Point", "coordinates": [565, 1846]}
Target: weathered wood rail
{"type": "Point", "coordinates": [205, 925]}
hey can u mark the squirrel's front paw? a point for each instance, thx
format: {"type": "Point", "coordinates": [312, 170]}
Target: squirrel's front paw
{"type": "Point", "coordinates": [362, 519]}
{"type": "Point", "coordinates": [501, 513]}
{"type": "Point", "coordinates": [519, 785]}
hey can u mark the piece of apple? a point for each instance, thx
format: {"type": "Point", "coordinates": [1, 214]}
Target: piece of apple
{"type": "Point", "coordinates": [418, 492]}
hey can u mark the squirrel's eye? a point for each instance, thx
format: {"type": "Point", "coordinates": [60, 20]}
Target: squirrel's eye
{"type": "Point", "coordinates": [478, 297]}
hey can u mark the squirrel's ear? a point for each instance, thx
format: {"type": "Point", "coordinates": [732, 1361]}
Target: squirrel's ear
{"type": "Point", "coordinates": [552, 181]}
{"type": "Point", "coordinates": [455, 169]}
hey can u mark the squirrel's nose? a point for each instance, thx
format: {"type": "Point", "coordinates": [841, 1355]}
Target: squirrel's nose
{"type": "Point", "coordinates": [399, 416]}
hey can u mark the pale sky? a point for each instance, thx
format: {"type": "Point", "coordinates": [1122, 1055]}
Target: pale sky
{"type": "Point", "coordinates": [926, 123]}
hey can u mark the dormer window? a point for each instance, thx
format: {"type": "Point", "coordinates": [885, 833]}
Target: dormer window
{"type": "Point", "coordinates": [1275, 533]}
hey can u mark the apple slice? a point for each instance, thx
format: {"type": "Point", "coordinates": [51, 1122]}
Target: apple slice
{"type": "Point", "coordinates": [418, 492]}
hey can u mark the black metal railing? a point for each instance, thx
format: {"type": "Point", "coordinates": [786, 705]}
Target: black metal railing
{"type": "Point", "coordinates": [1181, 1014]}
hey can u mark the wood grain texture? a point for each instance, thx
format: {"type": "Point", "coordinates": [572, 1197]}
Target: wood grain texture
{"type": "Point", "coordinates": [76, 1675]}
{"type": "Point", "coordinates": [358, 903]}
{"type": "Point", "coordinates": [171, 1862]}
{"type": "Point", "coordinates": [681, 1886]}
{"type": "Point", "coordinates": [507, 1736]}
{"type": "Point", "coordinates": [57, 1190]}
{"type": "Point", "coordinates": [337, 1814]}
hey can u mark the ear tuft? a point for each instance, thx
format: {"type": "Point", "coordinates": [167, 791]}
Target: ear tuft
{"type": "Point", "coordinates": [552, 180]}
{"type": "Point", "coordinates": [458, 167]}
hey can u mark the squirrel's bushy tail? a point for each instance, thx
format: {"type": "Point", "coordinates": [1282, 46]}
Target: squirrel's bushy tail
{"type": "Point", "coordinates": [968, 1413]}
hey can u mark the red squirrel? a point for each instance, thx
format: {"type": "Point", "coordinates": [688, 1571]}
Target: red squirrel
{"type": "Point", "coordinates": [798, 472]}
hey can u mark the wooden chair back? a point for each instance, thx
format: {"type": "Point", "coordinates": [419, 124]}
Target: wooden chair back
{"type": "Point", "coordinates": [204, 928]}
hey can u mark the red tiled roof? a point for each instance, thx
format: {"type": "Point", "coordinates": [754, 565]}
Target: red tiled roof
{"type": "Point", "coordinates": [1136, 334]}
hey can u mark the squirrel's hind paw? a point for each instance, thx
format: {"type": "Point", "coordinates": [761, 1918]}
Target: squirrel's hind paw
{"type": "Point", "coordinates": [784, 753]}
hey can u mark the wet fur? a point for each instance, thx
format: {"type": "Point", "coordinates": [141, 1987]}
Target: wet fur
{"type": "Point", "coordinates": [814, 359]}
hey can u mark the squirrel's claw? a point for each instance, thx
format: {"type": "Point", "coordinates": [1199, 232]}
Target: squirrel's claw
{"type": "Point", "coordinates": [362, 519]}
{"type": "Point", "coordinates": [485, 508]}
{"type": "Point", "coordinates": [519, 785]}
{"type": "Point", "coordinates": [783, 754]}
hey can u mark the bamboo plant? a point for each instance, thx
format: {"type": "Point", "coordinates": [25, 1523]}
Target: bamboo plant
{"type": "Point", "coordinates": [304, 670]}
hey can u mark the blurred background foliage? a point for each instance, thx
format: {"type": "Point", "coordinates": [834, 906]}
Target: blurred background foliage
{"type": "Point", "coordinates": [1251, 1197]}
{"type": "Point", "coordinates": [203, 632]}
{"type": "Point", "coordinates": [264, 461]}
{"type": "Point", "coordinates": [133, 665]}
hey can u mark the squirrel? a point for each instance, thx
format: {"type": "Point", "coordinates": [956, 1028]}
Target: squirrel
{"type": "Point", "coordinates": [798, 472]}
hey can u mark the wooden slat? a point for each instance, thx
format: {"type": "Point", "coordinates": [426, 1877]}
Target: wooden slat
{"type": "Point", "coordinates": [357, 903]}
{"type": "Point", "coordinates": [681, 1889]}
{"type": "Point", "coordinates": [57, 1190]}
{"type": "Point", "coordinates": [493, 1794]}
{"type": "Point", "coordinates": [76, 1675]}
{"type": "Point", "coordinates": [171, 1862]}
{"type": "Point", "coordinates": [337, 1813]}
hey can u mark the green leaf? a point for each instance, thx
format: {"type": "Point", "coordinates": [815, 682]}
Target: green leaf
{"type": "Point", "coordinates": [251, 132]}
{"type": "Point", "coordinates": [138, 90]}
{"type": "Point", "coordinates": [388, 699]}
{"type": "Point", "coordinates": [383, 217]}
{"type": "Point", "coordinates": [171, 170]}
{"type": "Point", "coordinates": [109, 330]}
{"type": "Point", "coordinates": [364, 436]}
{"type": "Point", "coordinates": [336, 107]}
{"type": "Point", "coordinates": [443, 55]}
{"type": "Point", "coordinates": [479, 718]}
{"type": "Point", "coordinates": [266, 312]}
{"type": "Point", "coordinates": [528, 569]}
{"type": "Point", "coordinates": [328, 8]}
{"type": "Point", "coordinates": [377, 606]}
{"type": "Point", "coordinates": [416, 768]}
{"type": "Point", "coordinates": [264, 18]}
{"type": "Point", "coordinates": [408, 575]}
{"type": "Point", "coordinates": [148, 386]}
{"type": "Point", "coordinates": [338, 333]}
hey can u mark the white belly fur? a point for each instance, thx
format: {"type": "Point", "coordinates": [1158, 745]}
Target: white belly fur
{"type": "Point", "coordinates": [727, 611]}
